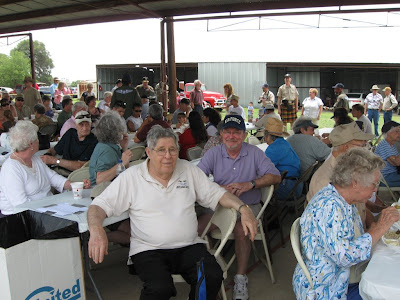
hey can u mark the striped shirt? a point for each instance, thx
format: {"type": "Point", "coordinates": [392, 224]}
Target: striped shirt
{"type": "Point", "coordinates": [384, 150]}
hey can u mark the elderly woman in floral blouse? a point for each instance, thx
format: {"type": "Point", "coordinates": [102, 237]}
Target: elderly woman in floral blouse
{"type": "Point", "coordinates": [334, 244]}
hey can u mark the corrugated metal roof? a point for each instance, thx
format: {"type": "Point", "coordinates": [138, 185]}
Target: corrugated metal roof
{"type": "Point", "coordinates": [19, 15]}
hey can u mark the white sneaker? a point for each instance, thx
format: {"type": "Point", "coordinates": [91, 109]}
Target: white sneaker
{"type": "Point", "coordinates": [240, 289]}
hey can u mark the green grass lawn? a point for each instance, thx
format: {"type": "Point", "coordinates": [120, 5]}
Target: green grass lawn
{"type": "Point", "coordinates": [327, 122]}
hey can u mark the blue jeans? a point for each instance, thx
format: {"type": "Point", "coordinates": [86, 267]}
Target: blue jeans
{"type": "Point", "coordinates": [199, 109]}
{"type": "Point", "coordinates": [353, 292]}
{"type": "Point", "coordinates": [373, 114]}
{"type": "Point", "coordinates": [387, 116]}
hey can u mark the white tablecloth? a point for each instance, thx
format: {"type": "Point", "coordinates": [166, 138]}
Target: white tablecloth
{"type": "Point", "coordinates": [67, 197]}
{"type": "Point", "coordinates": [321, 131]}
{"type": "Point", "coordinates": [381, 280]}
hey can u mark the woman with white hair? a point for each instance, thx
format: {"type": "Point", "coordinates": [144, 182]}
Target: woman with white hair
{"type": "Point", "coordinates": [104, 105]}
{"type": "Point", "coordinates": [312, 106]}
{"type": "Point", "coordinates": [334, 244]}
{"type": "Point", "coordinates": [24, 177]}
{"type": "Point", "coordinates": [111, 148]}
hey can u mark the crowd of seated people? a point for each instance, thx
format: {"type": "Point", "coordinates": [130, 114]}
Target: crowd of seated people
{"type": "Point", "coordinates": [98, 134]}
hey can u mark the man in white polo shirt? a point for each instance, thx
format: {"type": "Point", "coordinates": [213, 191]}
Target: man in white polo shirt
{"type": "Point", "coordinates": [160, 195]}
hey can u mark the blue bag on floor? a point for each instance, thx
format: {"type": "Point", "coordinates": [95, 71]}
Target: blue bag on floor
{"type": "Point", "coordinates": [201, 292]}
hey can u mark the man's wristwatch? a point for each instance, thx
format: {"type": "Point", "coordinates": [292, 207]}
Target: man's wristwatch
{"type": "Point", "coordinates": [58, 162]}
{"type": "Point", "coordinates": [253, 183]}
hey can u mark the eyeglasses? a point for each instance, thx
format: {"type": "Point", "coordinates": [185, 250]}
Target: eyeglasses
{"type": "Point", "coordinates": [138, 111]}
{"type": "Point", "coordinates": [19, 99]}
{"type": "Point", "coordinates": [163, 151]}
{"type": "Point", "coordinates": [5, 104]}
{"type": "Point", "coordinates": [235, 133]}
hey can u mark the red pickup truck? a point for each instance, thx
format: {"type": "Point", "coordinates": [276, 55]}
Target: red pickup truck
{"type": "Point", "coordinates": [213, 99]}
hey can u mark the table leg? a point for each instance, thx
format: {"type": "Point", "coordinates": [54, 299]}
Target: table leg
{"type": "Point", "coordinates": [86, 265]}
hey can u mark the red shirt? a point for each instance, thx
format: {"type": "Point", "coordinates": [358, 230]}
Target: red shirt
{"type": "Point", "coordinates": [142, 135]}
{"type": "Point", "coordinates": [186, 141]}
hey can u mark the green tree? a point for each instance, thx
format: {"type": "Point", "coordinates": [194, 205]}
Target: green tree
{"type": "Point", "coordinates": [43, 61]}
{"type": "Point", "coordinates": [13, 69]}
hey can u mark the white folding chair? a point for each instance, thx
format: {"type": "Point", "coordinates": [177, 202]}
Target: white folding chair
{"type": "Point", "coordinates": [194, 153]}
{"type": "Point", "coordinates": [136, 162]}
{"type": "Point", "coordinates": [296, 245]}
{"type": "Point", "coordinates": [225, 220]}
{"type": "Point", "coordinates": [252, 140]}
{"type": "Point", "coordinates": [79, 174]}
{"type": "Point", "coordinates": [86, 164]}
{"type": "Point", "coordinates": [267, 193]}
{"type": "Point", "coordinates": [137, 152]}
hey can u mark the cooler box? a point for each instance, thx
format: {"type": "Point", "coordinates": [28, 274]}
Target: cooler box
{"type": "Point", "coordinates": [40, 258]}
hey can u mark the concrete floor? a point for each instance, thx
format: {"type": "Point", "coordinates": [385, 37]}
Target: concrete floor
{"type": "Point", "coordinates": [115, 282]}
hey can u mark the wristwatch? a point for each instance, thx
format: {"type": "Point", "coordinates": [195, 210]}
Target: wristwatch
{"type": "Point", "coordinates": [253, 183]}
{"type": "Point", "coordinates": [58, 162]}
{"type": "Point", "coordinates": [242, 206]}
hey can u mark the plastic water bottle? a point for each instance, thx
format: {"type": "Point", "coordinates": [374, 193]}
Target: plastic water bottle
{"type": "Point", "coordinates": [120, 167]}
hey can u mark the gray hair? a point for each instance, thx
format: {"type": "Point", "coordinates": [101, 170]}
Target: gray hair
{"type": "Point", "coordinates": [273, 137]}
{"type": "Point", "coordinates": [357, 164]}
{"type": "Point", "coordinates": [23, 134]}
{"type": "Point", "coordinates": [156, 111]}
{"type": "Point", "coordinates": [197, 81]}
{"type": "Point", "coordinates": [158, 132]}
{"type": "Point", "coordinates": [107, 94]}
{"type": "Point", "coordinates": [79, 104]}
{"type": "Point", "coordinates": [110, 128]}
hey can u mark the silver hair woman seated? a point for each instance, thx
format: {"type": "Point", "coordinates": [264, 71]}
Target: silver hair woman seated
{"type": "Point", "coordinates": [24, 177]}
{"type": "Point", "coordinates": [334, 244]}
{"type": "Point", "coordinates": [105, 158]}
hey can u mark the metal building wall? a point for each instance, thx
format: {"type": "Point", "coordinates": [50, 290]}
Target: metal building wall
{"type": "Point", "coordinates": [245, 77]}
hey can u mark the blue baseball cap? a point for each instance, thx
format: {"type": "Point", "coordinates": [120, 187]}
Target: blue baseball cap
{"type": "Point", "coordinates": [265, 85]}
{"type": "Point", "coordinates": [338, 86]}
{"type": "Point", "coordinates": [234, 121]}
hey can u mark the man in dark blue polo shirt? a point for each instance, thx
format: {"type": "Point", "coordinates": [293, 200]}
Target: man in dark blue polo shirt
{"type": "Point", "coordinates": [76, 146]}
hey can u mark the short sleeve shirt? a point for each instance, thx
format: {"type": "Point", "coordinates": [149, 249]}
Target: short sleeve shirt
{"type": "Point", "coordinates": [288, 92]}
{"type": "Point", "coordinates": [250, 164]}
{"type": "Point", "coordinates": [384, 150]}
{"type": "Point", "coordinates": [374, 101]}
{"type": "Point", "coordinates": [71, 148]}
{"type": "Point", "coordinates": [136, 121]}
{"type": "Point", "coordinates": [104, 157]}
{"type": "Point", "coordinates": [160, 217]}
{"type": "Point", "coordinates": [268, 97]}
{"type": "Point", "coordinates": [312, 107]}
{"type": "Point", "coordinates": [142, 135]}
{"type": "Point", "coordinates": [283, 157]}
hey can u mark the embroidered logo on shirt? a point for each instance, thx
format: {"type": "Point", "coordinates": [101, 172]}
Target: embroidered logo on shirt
{"type": "Point", "coordinates": [182, 184]}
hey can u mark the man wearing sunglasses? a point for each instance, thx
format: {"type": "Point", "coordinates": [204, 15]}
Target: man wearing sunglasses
{"type": "Point", "coordinates": [135, 121]}
{"type": "Point", "coordinates": [23, 111]}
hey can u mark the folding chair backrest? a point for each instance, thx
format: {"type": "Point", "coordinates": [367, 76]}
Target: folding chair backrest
{"type": "Point", "coordinates": [137, 152]}
{"type": "Point", "coordinates": [252, 140]}
{"type": "Point", "coordinates": [194, 153]}
{"type": "Point", "coordinates": [383, 180]}
{"type": "Point", "coordinates": [136, 162]}
{"type": "Point", "coordinates": [266, 195]}
{"type": "Point", "coordinates": [296, 245]}
{"type": "Point", "coordinates": [225, 220]}
{"type": "Point", "coordinates": [79, 175]}
{"type": "Point", "coordinates": [49, 130]}
{"type": "Point", "coordinates": [307, 173]}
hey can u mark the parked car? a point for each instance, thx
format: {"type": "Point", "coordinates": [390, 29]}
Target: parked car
{"type": "Point", "coordinates": [213, 99]}
{"type": "Point", "coordinates": [356, 98]}
{"type": "Point", "coordinates": [6, 90]}
{"type": "Point", "coordinates": [44, 90]}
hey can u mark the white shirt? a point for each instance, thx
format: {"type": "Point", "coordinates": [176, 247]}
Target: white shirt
{"type": "Point", "coordinates": [136, 121]}
{"type": "Point", "coordinates": [367, 126]}
{"type": "Point", "coordinates": [237, 110]}
{"type": "Point", "coordinates": [19, 184]}
{"type": "Point", "coordinates": [160, 217]}
{"type": "Point", "coordinates": [5, 141]}
{"type": "Point", "coordinates": [312, 107]}
{"type": "Point", "coordinates": [211, 130]}
{"type": "Point", "coordinates": [102, 106]}
{"type": "Point", "coordinates": [373, 101]}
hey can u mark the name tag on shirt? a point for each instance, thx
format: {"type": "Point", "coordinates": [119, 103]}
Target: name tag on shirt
{"type": "Point", "coordinates": [182, 184]}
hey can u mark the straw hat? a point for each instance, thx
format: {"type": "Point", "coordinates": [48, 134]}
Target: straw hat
{"type": "Point", "coordinates": [275, 127]}
{"type": "Point", "coordinates": [387, 89]}
{"type": "Point", "coordinates": [375, 87]}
